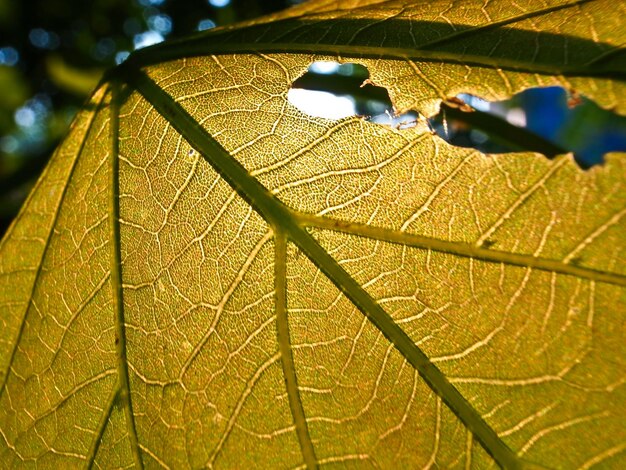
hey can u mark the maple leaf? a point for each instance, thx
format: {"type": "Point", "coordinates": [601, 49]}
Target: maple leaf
{"type": "Point", "coordinates": [206, 276]}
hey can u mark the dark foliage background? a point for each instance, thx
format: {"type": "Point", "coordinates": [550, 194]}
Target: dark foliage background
{"type": "Point", "coordinates": [52, 54]}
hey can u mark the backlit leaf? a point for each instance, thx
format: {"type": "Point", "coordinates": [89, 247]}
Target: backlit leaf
{"type": "Point", "coordinates": [206, 276]}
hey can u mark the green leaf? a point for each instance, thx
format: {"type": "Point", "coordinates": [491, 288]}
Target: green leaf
{"type": "Point", "coordinates": [205, 276]}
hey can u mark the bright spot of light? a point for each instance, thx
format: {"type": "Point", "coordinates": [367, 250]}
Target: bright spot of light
{"type": "Point", "coordinates": [25, 117]}
{"type": "Point", "coordinates": [121, 56]}
{"type": "Point", "coordinates": [219, 3]}
{"type": "Point", "coordinates": [205, 24]}
{"type": "Point", "coordinates": [475, 102]}
{"type": "Point", "coordinates": [517, 117]}
{"type": "Point", "coordinates": [9, 56]}
{"type": "Point", "coordinates": [324, 67]}
{"type": "Point", "coordinates": [401, 121]}
{"type": "Point", "coordinates": [34, 112]}
{"type": "Point", "coordinates": [321, 103]}
{"type": "Point", "coordinates": [160, 23]}
{"type": "Point", "coordinates": [147, 38]}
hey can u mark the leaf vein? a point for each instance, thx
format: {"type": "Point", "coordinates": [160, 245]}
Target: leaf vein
{"type": "Point", "coordinates": [17, 339]}
{"type": "Point", "coordinates": [460, 249]}
{"type": "Point", "coordinates": [116, 276]}
{"type": "Point", "coordinates": [286, 356]}
{"type": "Point", "coordinates": [282, 218]}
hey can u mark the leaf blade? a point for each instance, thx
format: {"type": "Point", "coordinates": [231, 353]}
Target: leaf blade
{"type": "Point", "coordinates": [395, 222]}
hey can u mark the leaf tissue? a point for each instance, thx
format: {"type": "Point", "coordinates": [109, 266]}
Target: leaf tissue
{"type": "Point", "coordinates": [205, 276]}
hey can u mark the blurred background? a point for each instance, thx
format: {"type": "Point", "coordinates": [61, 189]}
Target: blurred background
{"type": "Point", "coordinates": [53, 53]}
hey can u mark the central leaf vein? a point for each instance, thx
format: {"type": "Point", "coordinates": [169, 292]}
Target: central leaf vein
{"type": "Point", "coordinates": [116, 276]}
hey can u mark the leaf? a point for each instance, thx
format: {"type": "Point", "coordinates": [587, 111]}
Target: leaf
{"type": "Point", "coordinates": [205, 276]}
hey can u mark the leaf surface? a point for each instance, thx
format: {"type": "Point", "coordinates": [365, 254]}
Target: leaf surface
{"type": "Point", "coordinates": [205, 276]}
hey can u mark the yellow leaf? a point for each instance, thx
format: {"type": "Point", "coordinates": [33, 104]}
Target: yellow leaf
{"type": "Point", "coordinates": [206, 276]}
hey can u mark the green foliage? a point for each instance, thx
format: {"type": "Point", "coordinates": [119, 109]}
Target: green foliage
{"type": "Point", "coordinates": [205, 276]}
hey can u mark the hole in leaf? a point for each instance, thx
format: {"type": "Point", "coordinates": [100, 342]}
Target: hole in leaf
{"type": "Point", "coordinates": [334, 91]}
{"type": "Point", "coordinates": [547, 120]}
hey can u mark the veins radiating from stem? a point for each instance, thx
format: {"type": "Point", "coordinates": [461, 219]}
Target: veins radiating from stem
{"type": "Point", "coordinates": [279, 215]}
